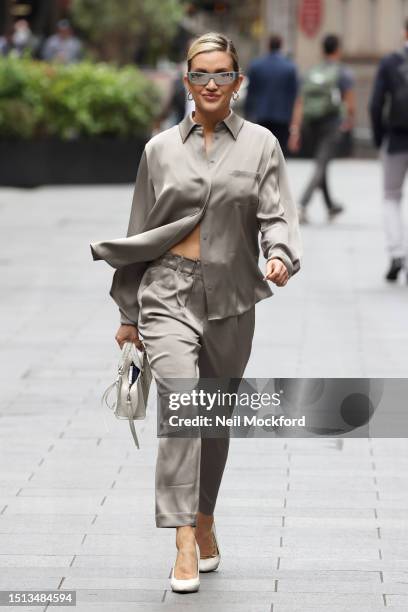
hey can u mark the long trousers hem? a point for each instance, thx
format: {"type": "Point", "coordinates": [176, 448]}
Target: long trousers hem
{"type": "Point", "coordinates": [176, 519]}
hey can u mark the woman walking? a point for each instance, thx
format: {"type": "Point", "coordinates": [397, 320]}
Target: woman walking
{"type": "Point", "coordinates": [187, 276]}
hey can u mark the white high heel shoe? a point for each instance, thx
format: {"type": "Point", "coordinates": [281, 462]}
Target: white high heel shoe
{"type": "Point", "coordinates": [211, 563]}
{"type": "Point", "coordinates": [186, 585]}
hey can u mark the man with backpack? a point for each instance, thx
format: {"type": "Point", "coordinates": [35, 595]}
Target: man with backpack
{"type": "Point", "coordinates": [324, 112]}
{"type": "Point", "coordinates": [390, 133]}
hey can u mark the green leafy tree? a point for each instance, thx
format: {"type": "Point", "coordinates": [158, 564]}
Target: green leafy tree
{"type": "Point", "coordinates": [118, 28]}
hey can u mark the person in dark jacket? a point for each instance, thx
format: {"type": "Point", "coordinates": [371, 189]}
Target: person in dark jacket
{"type": "Point", "coordinates": [272, 90]}
{"type": "Point", "coordinates": [391, 137]}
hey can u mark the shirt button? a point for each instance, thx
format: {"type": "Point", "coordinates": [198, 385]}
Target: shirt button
{"type": "Point", "coordinates": [209, 287]}
{"type": "Point", "coordinates": [205, 238]}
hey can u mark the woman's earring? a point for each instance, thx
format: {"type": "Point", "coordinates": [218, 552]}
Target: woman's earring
{"type": "Point", "coordinates": [236, 96]}
{"type": "Point", "coordinates": [188, 96]}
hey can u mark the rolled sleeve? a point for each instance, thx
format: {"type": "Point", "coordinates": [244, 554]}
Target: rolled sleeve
{"type": "Point", "coordinates": [277, 215]}
{"type": "Point", "coordinates": [124, 320]}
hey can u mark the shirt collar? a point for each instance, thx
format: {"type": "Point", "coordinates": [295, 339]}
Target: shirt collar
{"type": "Point", "coordinates": [233, 122]}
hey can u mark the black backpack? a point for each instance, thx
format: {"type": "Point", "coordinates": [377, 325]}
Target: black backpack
{"type": "Point", "coordinates": [398, 115]}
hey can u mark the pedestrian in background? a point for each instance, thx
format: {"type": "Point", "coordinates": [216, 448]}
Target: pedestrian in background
{"type": "Point", "coordinates": [19, 40]}
{"type": "Point", "coordinates": [391, 137]}
{"type": "Point", "coordinates": [63, 46]}
{"type": "Point", "coordinates": [272, 91]}
{"type": "Point", "coordinates": [323, 115]}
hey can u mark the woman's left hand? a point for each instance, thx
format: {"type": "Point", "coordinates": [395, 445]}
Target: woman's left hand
{"type": "Point", "coordinates": [277, 272]}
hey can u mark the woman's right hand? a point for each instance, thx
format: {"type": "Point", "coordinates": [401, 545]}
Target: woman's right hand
{"type": "Point", "coordinates": [129, 333]}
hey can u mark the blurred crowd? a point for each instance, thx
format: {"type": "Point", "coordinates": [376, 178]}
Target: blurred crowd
{"type": "Point", "coordinates": [62, 46]}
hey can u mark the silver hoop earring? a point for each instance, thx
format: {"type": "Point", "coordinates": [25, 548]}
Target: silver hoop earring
{"type": "Point", "coordinates": [188, 96]}
{"type": "Point", "coordinates": [236, 96]}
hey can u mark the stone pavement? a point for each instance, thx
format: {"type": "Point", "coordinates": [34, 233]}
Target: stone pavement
{"type": "Point", "coordinates": [304, 525]}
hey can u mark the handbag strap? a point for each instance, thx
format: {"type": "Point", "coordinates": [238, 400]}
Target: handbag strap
{"type": "Point", "coordinates": [133, 430]}
{"type": "Point", "coordinates": [138, 357]}
{"type": "Point", "coordinates": [106, 394]}
{"type": "Point", "coordinates": [126, 355]}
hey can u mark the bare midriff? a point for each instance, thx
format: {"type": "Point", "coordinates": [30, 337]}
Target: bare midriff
{"type": "Point", "coordinates": [190, 245]}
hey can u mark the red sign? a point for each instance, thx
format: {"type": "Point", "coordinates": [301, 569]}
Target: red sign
{"type": "Point", "coordinates": [310, 16]}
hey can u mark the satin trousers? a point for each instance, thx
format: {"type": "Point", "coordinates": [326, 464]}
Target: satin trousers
{"type": "Point", "coordinates": [181, 343]}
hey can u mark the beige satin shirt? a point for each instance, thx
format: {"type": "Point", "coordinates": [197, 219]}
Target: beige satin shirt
{"type": "Point", "coordinates": [238, 191]}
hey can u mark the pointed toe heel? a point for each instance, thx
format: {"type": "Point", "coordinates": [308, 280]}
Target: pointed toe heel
{"type": "Point", "coordinates": [211, 563]}
{"type": "Point", "coordinates": [186, 585]}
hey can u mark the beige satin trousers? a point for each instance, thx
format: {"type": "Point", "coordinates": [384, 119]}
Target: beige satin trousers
{"type": "Point", "coordinates": [181, 343]}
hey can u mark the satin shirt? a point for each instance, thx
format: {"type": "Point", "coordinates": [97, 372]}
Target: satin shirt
{"type": "Point", "coordinates": [238, 191]}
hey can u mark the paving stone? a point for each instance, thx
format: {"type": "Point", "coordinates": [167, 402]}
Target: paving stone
{"type": "Point", "coordinates": [339, 563]}
{"type": "Point", "coordinates": [53, 505]}
{"type": "Point", "coordinates": [48, 523]}
{"type": "Point", "coordinates": [397, 600]}
{"type": "Point", "coordinates": [30, 560]}
{"type": "Point", "coordinates": [328, 552]}
{"type": "Point", "coordinates": [299, 607]}
{"type": "Point", "coordinates": [308, 599]}
{"type": "Point", "coordinates": [325, 523]}
{"type": "Point", "coordinates": [145, 596]}
{"type": "Point", "coordinates": [338, 587]}
{"type": "Point", "coordinates": [53, 544]}
{"type": "Point", "coordinates": [22, 583]}
{"type": "Point", "coordinates": [135, 562]}
{"type": "Point", "coordinates": [168, 607]}
{"type": "Point", "coordinates": [26, 609]}
{"type": "Point", "coordinates": [330, 535]}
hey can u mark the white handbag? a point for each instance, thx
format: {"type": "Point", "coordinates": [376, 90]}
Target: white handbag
{"type": "Point", "coordinates": [130, 400]}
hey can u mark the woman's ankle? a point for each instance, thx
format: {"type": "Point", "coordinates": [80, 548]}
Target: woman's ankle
{"type": "Point", "coordinates": [205, 520]}
{"type": "Point", "coordinates": [185, 536]}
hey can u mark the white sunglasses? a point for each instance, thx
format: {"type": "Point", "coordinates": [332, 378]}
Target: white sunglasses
{"type": "Point", "coordinates": [220, 78]}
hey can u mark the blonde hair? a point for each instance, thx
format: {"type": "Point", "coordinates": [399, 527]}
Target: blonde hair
{"type": "Point", "coordinates": [212, 41]}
